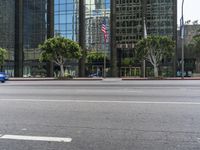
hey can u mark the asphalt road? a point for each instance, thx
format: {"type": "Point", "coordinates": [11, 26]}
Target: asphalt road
{"type": "Point", "coordinates": [100, 115]}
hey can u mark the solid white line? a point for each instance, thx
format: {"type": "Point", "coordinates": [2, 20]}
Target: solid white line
{"type": "Point", "coordinates": [36, 138]}
{"type": "Point", "coordinates": [100, 101]}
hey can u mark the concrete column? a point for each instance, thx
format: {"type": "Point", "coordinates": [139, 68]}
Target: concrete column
{"type": "Point", "coordinates": [114, 54]}
{"type": "Point", "coordinates": [18, 67]}
{"type": "Point", "coordinates": [50, 31]}
{"type": "Point", "coordinates": [175, 36]}
{"type": "Point", "coordinates": [82, 37]}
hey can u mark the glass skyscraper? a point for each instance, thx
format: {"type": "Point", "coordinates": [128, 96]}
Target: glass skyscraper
{"type": "Point", "coordinates": [23, 26]}
{"type": "Point", "coordinates": [7, 30]}
{"type": "Point", "coordinates": [128, 27]}
{"type": "Point", "coordinates": [34, 33]}
{"type": "Point", "coordinates": [96, 12]}
{"type": "Point", "coordinates": [66, 22]}
{"type": "Point", "coordinates": [67, 16]}
{"type": "Point", "coordinates": [27, 23]}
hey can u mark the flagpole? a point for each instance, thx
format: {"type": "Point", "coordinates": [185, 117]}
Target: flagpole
{"type": "Point", "coordinates": [182, 38]}
{"type": "Point", "coordinates": [104, 66]}
{"type": "Point", "coordinates": [145, 36]}
{"type": "Point", "coordinates": [104, 62]}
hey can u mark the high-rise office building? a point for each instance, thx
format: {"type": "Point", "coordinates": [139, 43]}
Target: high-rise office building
{"type": "Point", "coordinates": [81, 20]}
{"type": "Point", "coordinates": [27, 23]}
{"type": "Point", "coordinates": [23, 27]}
{"type": "Point", "coordinates": [7, 29]}
{"type": "Point", "coordinates": [66, 15]}
{"type": "Point", "coordinates": [128, 18]}
{"type": "Point", "coordinates": [34, 33]}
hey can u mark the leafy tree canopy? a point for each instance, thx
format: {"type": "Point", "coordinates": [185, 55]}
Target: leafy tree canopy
{"type": "Point", "coordinates": [154, 49]}
{"type": "Point", "coordinates": [127, 61]}
{"type": "Point", "coordinates": [3, 56]}
{"type": "Point", "coordinates": [195, 44]}
{"type": "Point", "coordinates": [59, 50]}
{"type": "Point", "coordinates": [95, 55]}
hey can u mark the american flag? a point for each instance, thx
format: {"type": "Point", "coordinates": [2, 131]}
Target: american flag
{"type": "Point", "coordinates": [145, 29]}
{"type": "Point", "coordinates": [182, 27]}
{"type": "Point", "coordinates": [104, 30]}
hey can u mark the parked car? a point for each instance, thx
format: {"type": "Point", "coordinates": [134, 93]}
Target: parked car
{"type": "Point", "coordinates": [2, 77]}
{"type": "Point", "coordinates": [93, 75]}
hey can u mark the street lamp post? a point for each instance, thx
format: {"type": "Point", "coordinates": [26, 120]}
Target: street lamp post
{"type": "Point", "coordinates": [182, 41]}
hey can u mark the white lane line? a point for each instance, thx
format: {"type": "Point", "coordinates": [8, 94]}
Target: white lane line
{"type": "Point", "coordinates": [36, 138]}
{"type": "Point", "coordinates": [100, 101]}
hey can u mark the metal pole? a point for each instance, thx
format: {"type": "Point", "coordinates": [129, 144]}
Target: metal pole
{"type": "Point", "coordinates": [104, 63]}
{"type": "Point", "coordinates": [144, 5]}
{"type": "Point", "coordinates": [144, 68]}
{"type": "Point", "coordinates": [182, 42]}
{"type": "Point", "coordinates": [145, 36]}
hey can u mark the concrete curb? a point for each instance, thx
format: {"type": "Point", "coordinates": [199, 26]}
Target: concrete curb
{"type": "Point", "coordinates": [100, 79]}
{"type": "Point", "coordinates": [32, 79]}
{"type": "Point", "coordinates": [54, 79]}
{"type": "Point", "coordinates": [175, 78]}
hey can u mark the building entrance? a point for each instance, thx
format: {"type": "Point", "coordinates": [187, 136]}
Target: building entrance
{"type": "Point", "coordinates": [130, 72]}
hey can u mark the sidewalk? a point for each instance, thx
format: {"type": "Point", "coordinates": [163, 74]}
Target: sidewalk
{"type": "Point", "coordinates": [106, 79]}
{"type": "Point", "coordinates": [52, 79]}
{"type": "Point", "coordinates": [164, 78]}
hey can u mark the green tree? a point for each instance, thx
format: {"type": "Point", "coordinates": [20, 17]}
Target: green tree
{"type": "Point", "coordinates": [95, 55]}
{"type": "Point", "coordinates": [195, 43]}
{"type": "Point", "coordinates": [154, 49]}
{"type": "Point", "coordinates": [59, 50]}
{"type": "Point", "coordinates": [127, 61]}
{"type": "Point", "coordinates": [3, 56]}
{"type": "Point", "coordinates": [194, 46]}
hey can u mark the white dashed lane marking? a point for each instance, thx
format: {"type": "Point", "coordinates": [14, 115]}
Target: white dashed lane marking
{"type": "Point", "coordinates": [36, 138]}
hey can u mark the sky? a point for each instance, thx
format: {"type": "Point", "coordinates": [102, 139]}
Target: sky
{"type": "Point", "coordinates": [191, 10]}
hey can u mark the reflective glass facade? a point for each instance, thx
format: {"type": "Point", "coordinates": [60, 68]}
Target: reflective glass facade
{"type": "Point", "coordinates": [159, 16]}
{"type": "Point", "coordinates": [160, 19]}
{"type": "Point", "coordinates": [34, 27]}
{"type": "Point", "coordinates": [95, 13]}
{"type": "Point", "coordinates": [66, 18]}
{"type": "Point", "coordinates": [128, 23]}
{"type": "Point", "coordinates": [7, 29]}
{"type": "Point", "coordinates": [34, 33]}
{"type": "Point", "coordinates": [66, 22]}
{"type": "Point", "coordinates": [126, 26]}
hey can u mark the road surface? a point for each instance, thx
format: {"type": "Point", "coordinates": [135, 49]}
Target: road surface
{"type": "Point", "coordinates": [100, 115]}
